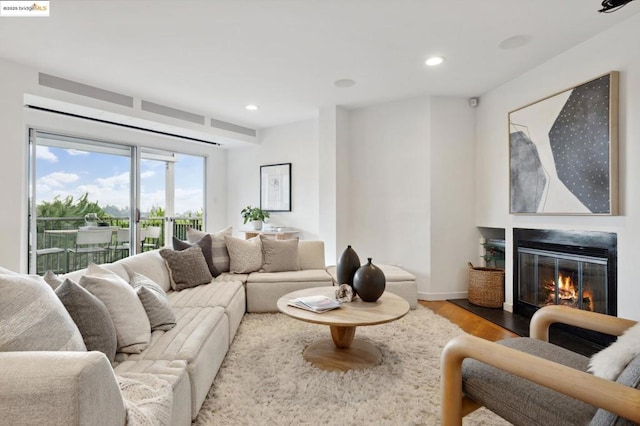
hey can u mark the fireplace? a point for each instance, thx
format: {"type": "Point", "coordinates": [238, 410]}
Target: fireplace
{"type": "Point", "coordinates": [571, 268]}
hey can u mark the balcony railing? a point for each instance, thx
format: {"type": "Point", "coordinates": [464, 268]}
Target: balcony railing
{"type": "Point", "coordinates": [56, 236]}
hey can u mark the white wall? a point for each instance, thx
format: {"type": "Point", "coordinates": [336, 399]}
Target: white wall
{"type": "Point", "coordinates": [611, 50]}
{"type": "Point", "coordinates": [395, 181]}
{"type": "Point", "coordinates": [454, 236]}
{"type": "Point", "coordinates": [13, 165]}
{"type": "Point", "coordinates": [389, 186]}
{"type": "Point", "coordinates": [411, 171]}
{"type": "Point", "coordinates": [295, 143]}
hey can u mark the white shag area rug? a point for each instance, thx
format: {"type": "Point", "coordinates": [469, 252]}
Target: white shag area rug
{"type": "Point", "coordinates": [265, 380]}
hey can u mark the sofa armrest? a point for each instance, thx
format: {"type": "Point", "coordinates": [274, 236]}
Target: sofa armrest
{"type": "Point", "coordinates": [59, 388]}
{"type": "Point", "coordinates": [601, 393]}
{"type": "Point", "coordinates": [544, 317]}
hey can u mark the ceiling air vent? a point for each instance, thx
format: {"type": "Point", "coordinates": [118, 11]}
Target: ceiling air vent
{"type": "Point", "coordinates": [172, 112]}
{"type": "Point", "coordinates": [84, 90]}
{"type": "Point", "coordinates": [218, 124]}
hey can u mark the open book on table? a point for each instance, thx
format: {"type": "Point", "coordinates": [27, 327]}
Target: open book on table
{"type": "Point", "coordinates": [316, 304]}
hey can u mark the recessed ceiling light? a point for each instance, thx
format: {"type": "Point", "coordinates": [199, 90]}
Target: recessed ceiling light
{"type": "Point", "coordinates": [514, 42]}
{"type": "Point", "coordinates": [434, 60]}
{"type": "Point", "coordinates": [252, 107]}
{"type": "Point", "coordinates": [344, 82]}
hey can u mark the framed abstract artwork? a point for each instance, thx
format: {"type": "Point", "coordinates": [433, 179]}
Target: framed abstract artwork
{"type": "Point", "coordinates": [275, 187]}
{"type": "Point", "coordinates": [563, 152]}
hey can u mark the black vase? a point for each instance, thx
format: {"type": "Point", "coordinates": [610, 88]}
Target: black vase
{"type": "Point", "coordinates": [348, 264]}
{"type": "Point", "coordinates": [369, 282]}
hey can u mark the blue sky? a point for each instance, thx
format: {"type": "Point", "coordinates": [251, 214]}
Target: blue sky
{"type": "Point", "coordinates": [62, 172]}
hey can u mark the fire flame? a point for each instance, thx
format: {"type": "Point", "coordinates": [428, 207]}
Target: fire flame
{"type": "Point", "coordinates": [567, 293]}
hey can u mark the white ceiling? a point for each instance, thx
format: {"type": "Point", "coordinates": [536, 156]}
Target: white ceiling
{"type": "Point", "coordinates": [213, 57]}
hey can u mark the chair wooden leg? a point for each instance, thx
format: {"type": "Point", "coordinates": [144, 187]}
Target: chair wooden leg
{"type": "Point", "coordinates": [469, 406]}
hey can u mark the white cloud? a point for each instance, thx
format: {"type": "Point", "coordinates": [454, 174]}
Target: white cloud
{"type": "Point", "coordinates": [188, 200]}
{"type": "Point", "coordinates": [58, 179]}
{"type": "Point", "coordinates": [152, 199]}
{"type": "Point", "coordinates": [147, 175]}
{"type": "Point", "coordinates": [121, 180]}
{"type": "Point", "coordinates": [75, 152]}
{"type": "Point", "coordinates": [104, 195]}
{"type": "Point", "coordinates": [43, 153]}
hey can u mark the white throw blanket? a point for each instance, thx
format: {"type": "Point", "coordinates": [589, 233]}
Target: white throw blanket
{"type": "Point", "coordinates": [148, 399]}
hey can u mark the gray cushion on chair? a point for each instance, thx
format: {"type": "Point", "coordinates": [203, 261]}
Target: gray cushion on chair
{"type": "Point", "coordinates": [520, 401]}
{"type": "Point", "coordinates": [630, 376]}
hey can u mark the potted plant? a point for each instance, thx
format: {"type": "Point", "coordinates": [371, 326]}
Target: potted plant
{"type": "Point", "coordinates": [255, 215]}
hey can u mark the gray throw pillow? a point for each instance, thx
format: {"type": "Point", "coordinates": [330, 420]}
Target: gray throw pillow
{"type": "Point", "coordinates": [155, 302]}
{"type": "Point", "coordinates": [187, 268]}
{"type": "Point", "coordinates": [127, 313]}
{"type": "Point", "coordinates": [32, 318]}
{"type": "Point", "coordinates": [279, 256]}
{"type": "Point", "coordinates": [245, 255]}
{"type": "Point", "coordinates": [52, 279]}
{"type": "Point", "coordinates": [91, 316]}
{"type": "Point", "coordinates": [205, 245]}
{"type": "Point", "coordinates": [219, 252]}
{"type": "Point", "coordinates": [630, 376]}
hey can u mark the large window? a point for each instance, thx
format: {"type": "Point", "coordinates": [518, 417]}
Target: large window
{"type": "Point", "coordinates": [96, 201]}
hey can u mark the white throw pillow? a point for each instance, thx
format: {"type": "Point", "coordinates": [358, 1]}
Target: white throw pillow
{"type": "Point", "coordinates": [32, 318]}
{"type": "Point", "coordinates": [245, 255]}
{"type": "Point", "coordinates": [127, 313]}
{"type": "Point", "coordinates": [609, 362]}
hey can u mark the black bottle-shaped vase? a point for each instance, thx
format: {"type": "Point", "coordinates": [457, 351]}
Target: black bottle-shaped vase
{"type": "Point", "coordinates": [348, 264]}
{"type": "Point", "coordinates": [369, 282]}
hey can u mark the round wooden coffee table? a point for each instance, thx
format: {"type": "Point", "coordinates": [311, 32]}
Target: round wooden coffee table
{"type": "Point", "coordinates": [342, 352]}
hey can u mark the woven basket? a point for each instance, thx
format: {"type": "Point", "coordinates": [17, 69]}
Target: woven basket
{"type": "Point", "coordinates": [486, 286]}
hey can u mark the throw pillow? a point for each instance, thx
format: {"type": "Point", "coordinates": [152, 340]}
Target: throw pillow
{"type": "Point", "coordinates": [245, 255]}
{"type": "Point", "coordinates": [219, 252]}
{"type": "Point", "coordinates": [279, 256]}
{"type": "Point", "coordinates": [187, 268]}
{"type": "Point", "coordinates": [132, 326]}
{"type": "Point", "coordinates": [52, 279]}
{"type": "Point", "coordinates": [91, 316]}
{"type": "Point", "coordinates": [155, 302]}
{"type": "Point", "coordinates": [630, 376]}
{"type": "Point", "coordinates": [205, 245]}
{"type": "Point", "coordinates": [32, 318]}
{"type": "Point", "coordinates": [609, 362]}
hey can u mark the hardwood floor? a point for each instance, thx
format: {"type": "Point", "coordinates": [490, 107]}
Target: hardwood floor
{"type": "Point", "coordinates": [468, 321]}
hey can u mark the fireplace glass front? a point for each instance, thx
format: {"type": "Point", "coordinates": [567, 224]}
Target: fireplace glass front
{"type": "Point", "coordinates": [554, 278]}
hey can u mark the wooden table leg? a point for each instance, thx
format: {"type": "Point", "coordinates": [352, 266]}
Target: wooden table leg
{"type": "Point", "coordinates": [342, 353]}
{"type": "Point", "coordinates": [342, 336]}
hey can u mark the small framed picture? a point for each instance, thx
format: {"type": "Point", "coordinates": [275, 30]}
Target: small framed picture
{"type": "Point", "coordinates": [275, 187]}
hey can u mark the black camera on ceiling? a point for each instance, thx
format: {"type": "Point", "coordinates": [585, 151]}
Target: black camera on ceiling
{"type": "Point", "coordinates": [613, 5]}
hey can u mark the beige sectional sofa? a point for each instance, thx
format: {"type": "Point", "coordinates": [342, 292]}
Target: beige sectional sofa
{"type": "Point", "coordinates": [84, 390]}
{"type": "Point", "coordinates": [81, 388]}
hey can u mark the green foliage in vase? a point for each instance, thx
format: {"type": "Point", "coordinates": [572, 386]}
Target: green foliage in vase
{"type": "Point", "coordinates": [253, 213]}
{"type": "Point", "coordinates": [493, 254]}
